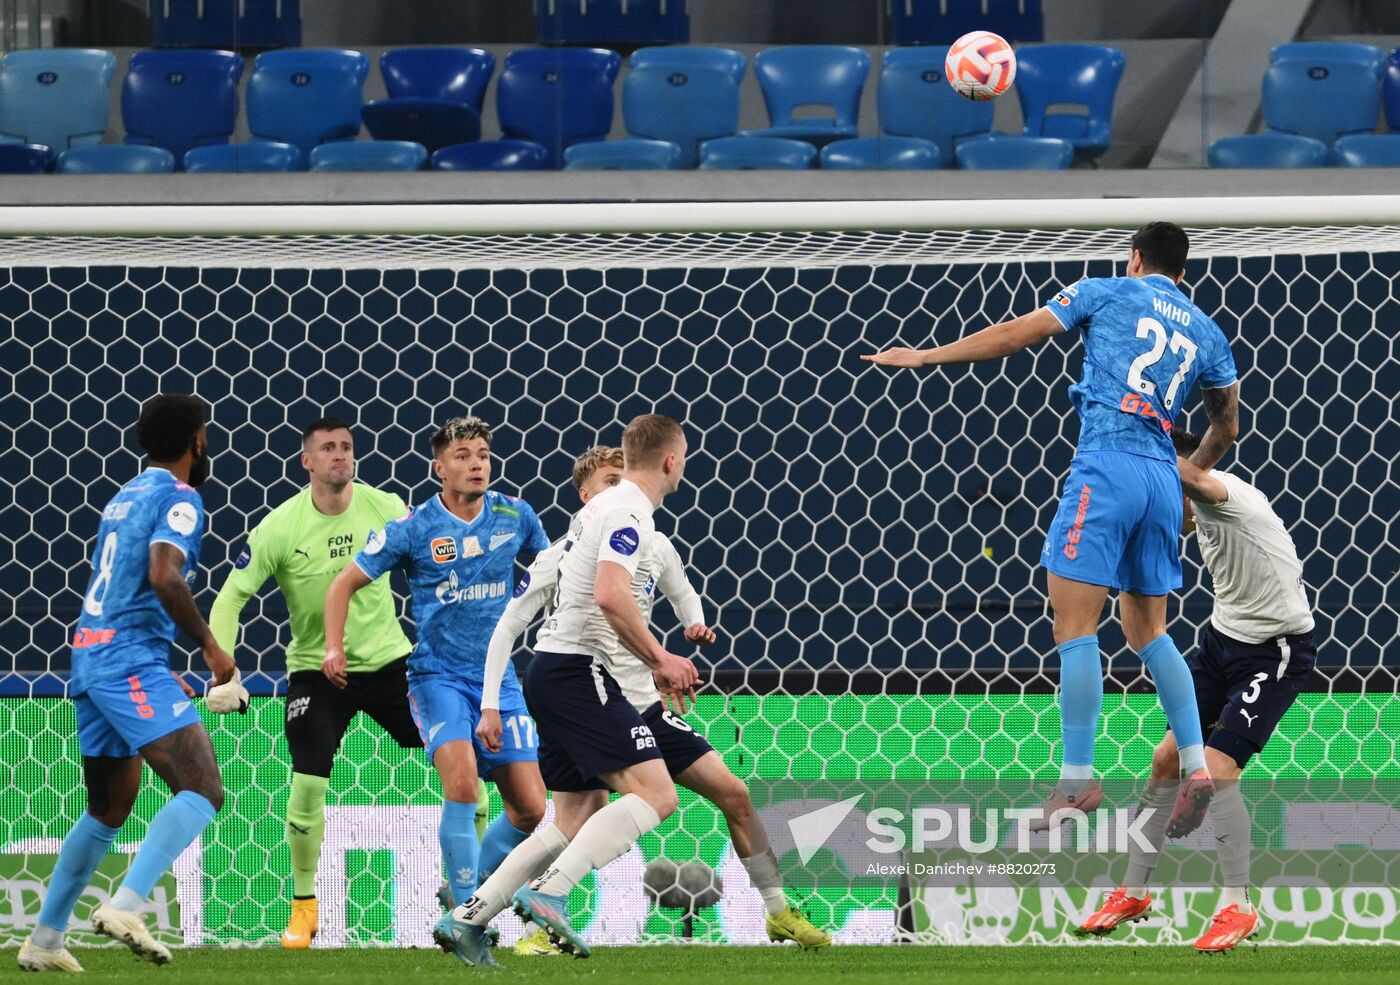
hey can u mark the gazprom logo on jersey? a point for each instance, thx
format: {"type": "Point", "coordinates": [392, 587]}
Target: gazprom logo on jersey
{"type": "Point", "coordinates": [450, 592]}
{"type": "Point", "coordinates": [625, 541]}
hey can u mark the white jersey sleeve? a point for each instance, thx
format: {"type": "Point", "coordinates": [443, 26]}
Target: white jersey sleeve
{"type": "Point", "coordinates": [535, 591]}
{"type": "Point", "coordinates": [1258, 579]}
{"type": "Point", "coordinates": [660, 567]}
{"type": "Point", "coordinates": [676, 586]}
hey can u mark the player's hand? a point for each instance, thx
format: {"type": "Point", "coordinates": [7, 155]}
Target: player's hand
{"type": "Point", "coordinates": [228, 697]}
{"type": "Point", "coordinates": [898, 356]}
{"type": "Point", "coordinates": [334, 667]}
{"type": "Point", "coordinates": [219, 662]}
{"type": "Point", "coordinates": [700, 634]}
{"type": "Point", "coordinates": [184, 685]}
{"type": "Point", "coordinates": [676, 677]}
{"type": "Point", "coordinates": [488, 730]}
{"type": "Point", "coordinates": [676, 701]}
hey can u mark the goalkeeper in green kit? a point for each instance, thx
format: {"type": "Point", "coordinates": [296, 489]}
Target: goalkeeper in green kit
{"type": "Point", "coordinates": [303, 544]}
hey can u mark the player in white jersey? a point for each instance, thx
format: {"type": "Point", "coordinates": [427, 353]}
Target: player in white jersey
{"type": "Point", "coordinates": [1252, 659]}
{"type": "Point", "coordinates": [690, 759]}
{"type": "Point", "coordinates": [587, 728]}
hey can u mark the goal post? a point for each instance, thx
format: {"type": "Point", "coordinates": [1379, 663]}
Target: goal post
{"type": "Point", "coordinates": [865, 541]}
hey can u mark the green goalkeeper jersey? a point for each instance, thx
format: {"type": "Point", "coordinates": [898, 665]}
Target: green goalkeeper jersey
{"type": "Point", "coordinates": [303, 549]}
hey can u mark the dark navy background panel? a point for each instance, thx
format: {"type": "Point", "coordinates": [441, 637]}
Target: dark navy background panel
{"type": "Point", "coordinates": [879, 526]}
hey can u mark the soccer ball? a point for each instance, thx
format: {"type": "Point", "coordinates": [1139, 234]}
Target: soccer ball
{"type": "Point", "coordinates": [980, 65]}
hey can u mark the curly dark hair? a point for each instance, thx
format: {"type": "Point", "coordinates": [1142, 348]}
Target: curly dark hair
{"type": "Point", "coordinates": [168, 425]}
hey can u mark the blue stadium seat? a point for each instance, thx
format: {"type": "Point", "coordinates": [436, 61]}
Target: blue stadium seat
{"type": "Point", "coordinates": [756, 154]}
{"type": "Point", "coordinates": [116, 159]}
{"type": "Point", "coordinates": [256, 156]}
{"type": "Point", "coordinates": [557, 96]}
{"type": "Point", "coordinates": [225, 23]}
{"type": "Point", "coordinates": [1322, 101]}
{"type": "Point", "coordinates": [916, 101]}
{"type": "Point", "coordinates": [1329, 52]}
{"type": "Point", "coordinates": [608, 22]}
{"type": "Point", "coordinates": [1268, 150]}
{"type": "Point", "coordinates": [369, 155]}
{"type": "Point", "coordinates": [494, 155]}
{"type": "Point", "coordinates": [181, 99]}
{"type": "Point", "coordinates": [1392, 90]}
{"type": "Point", "coordinates": [623, 155]}
{"type": "Point", "coordinates": [881, 154]}
{"type": "Point", "coordinates": [684, 95]}
{"type": "Point", "coordinates": [1004, 152]}
{"type": "Point", "coordinates": [1368, 150]}
{"type": "Point", "coordinates": [1051, 76]}
{"type": "Point", "coordinates": [434, 123]}
{"type": "Point", "coordinates": [306, 96]}
{"type": "Point", "coordinates": [435, 95]}
{"type": "Point", "coordinates": [460, 75]}
{"type": "Point", "coordinates": [55, 96]}
{"type": "Point", "coordinates": [803, 76]}
{"type": "Point", "coordinates": [944, 21]}
{"type": "Point", "coordinates": [26, 159]}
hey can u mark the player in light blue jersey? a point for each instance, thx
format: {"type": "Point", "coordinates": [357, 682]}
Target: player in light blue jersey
{"type": "Point", "coordinates": [130, 707]}
{"type": "Point", "coordinates": [459, 551]}
{"type": "Point", "coordinates": [1119, 518]}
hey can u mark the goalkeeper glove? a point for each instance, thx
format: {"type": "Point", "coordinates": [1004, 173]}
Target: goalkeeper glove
{"type": "Point", "coordinates": [223, 699]}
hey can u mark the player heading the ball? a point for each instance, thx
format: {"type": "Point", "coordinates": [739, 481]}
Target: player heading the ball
{"type": "Point", "coordinates": [130, 707]}
{"type": "Point", "coordinates": [1119, 519]}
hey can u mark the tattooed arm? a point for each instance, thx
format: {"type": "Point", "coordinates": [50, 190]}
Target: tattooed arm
{"type": "Point", "coordinates": [1223, 411]}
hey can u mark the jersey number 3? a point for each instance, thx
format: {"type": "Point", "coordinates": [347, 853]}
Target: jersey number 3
{"type": "Point", "coordinates": [1179, 344]}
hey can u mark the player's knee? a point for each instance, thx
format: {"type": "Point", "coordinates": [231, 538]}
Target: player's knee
{"type": "Point", "coordinates": [526, 816]}
{"type": "Point", "coordinates": [662, 800]}
{"type": "Point", "coordinates": [734, 801]}
{"type": "Point", "coordinates": [1166, 764]}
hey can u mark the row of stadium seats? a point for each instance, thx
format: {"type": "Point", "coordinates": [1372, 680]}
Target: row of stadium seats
{"type": "Point", "coordinates": [986, 152]}
{"type": "Point", "coordinates": [181, 100]}
{"type": "Point", "coordinates": [277, 23]}
{"type": "Point", "coordinates": [1321, 100]}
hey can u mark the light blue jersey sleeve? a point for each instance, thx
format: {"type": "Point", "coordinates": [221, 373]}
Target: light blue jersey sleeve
{"type": "Point", "coordinates": [180, 521]}
{"type": "Point", "coordinates": [532, 535]}
{"type": "Point", "coordinates": [387, 549]}
{"type": "Point", "coordinates": [1218, 371]}
{"type": "Point", "coordinates": [1074, 305]}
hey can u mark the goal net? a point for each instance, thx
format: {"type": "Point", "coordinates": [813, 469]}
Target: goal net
{"type": "Point", "coordinates": [866, 541]}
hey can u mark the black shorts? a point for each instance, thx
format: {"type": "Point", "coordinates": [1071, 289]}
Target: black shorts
{"type": "Point", "coordinates": [680, 744]}
{"type": "Point", "coordinates": [1243, 689]}
{"type": "Point", "coordinates": [318, 712]}
{"type": "Point", "coordinates": [586, 727]}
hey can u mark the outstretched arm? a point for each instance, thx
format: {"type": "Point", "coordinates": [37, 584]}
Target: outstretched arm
{"type": "Point", "coordinates": [165, 571]}
{"type": "Point", "coordinates": [1199, 485]}
{"type": "Point", "coordinates": [1223, 412]}
{"type": "Point", "coordinates": [350, 580]}
{"type": "Point", "coordinates": [994, 342]}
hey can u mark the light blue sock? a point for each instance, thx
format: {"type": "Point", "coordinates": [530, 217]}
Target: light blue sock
{"type": "Point", "coordinates": [1177, 692]}
{"type": "Point", "coordinates": [1081, 700]}
{"type": "Point", "coordinates": [460, 849]}
{"type": "Point", "coordinates": [172, 830]}
{"type": "Point", "coordinates": [81, 854]}
{"type": "Point", "coordinates": [501, 839]}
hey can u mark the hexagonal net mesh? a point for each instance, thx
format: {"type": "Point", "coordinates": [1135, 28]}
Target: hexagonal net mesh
{"type": "Point", "coordinates": [865, 541]}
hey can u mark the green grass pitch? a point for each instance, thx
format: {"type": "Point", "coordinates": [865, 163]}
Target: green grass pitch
{"type": "Point", "coordinates": [762, 966]}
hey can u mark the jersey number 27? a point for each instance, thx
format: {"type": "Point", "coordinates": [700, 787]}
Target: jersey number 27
{"type": "Point", "coordinates": [1179, 344]}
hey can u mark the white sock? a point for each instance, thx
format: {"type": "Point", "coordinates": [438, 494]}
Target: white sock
{"type": "Point", "coordinates": [1236, 896]}
{"type": "Point", "coordinates": [1159, 797]}
{"type": "Point", "coordinates": [1192, 758]}
{"type": "Point", "coordinates": [1074, 777]}
{"type": "Point", "coordinates": [763, 873]}
{"type": "Point", "coordinates": [46, 937]}
{"type": "Point", "coordinates": [529, 858]}
{"type": "Point", "coordinates": [604, 836]}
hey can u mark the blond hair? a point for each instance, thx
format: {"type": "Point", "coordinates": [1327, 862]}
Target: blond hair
{"type": "Point", "coordinates": [594, 459]}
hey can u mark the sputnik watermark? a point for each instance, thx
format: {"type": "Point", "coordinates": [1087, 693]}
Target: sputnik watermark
{"type": "Point", "coordinates": [930, 829]}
